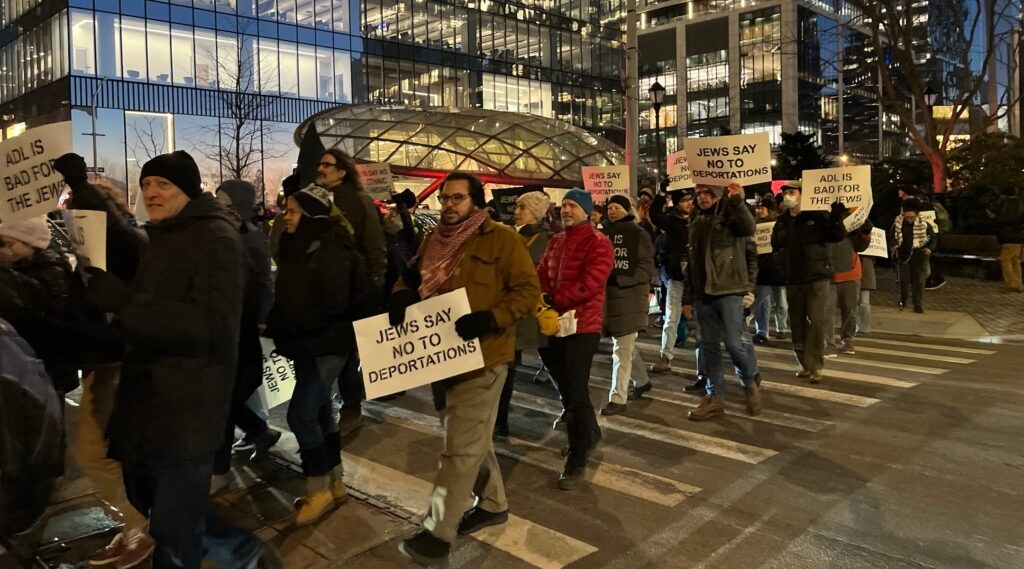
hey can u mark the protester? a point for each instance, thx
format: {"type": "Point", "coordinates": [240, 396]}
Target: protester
{"type": "Point", "coordinates": [1010, 233]}
{"type": "Point", "coordinates": [800, 242]}
{"type": "Point", "coordinates": [531, 224]}
{"type": "Point", "coordinates": [597, 216]}
{"type": "Point", "coordinates": [770, 294]}
{"type": "Point", "coordinates": [311, 323]}
{"type": "Point", "coordinates": [337, 173]}
{"type": "Point", "coordinates": [867, 284]}
{"type": "Point", "coordinates": [673, 263]}
{"type": "Point", "coordinates": [626, 305]}
{"type": "Point", "coordinates": [913, 241]}
{"type": "Point", "coordinates": [643, 211]}
{"type": "Point", "coordinates": [720, 285]}
{"type": "Point", "coordinates": [180, 317]}
{"type": "Point", "coordinates": [469, 250]}
{"type": "Point", "coordinates": [403, 237]}
{"type": "Point", "coordinates": [239, 197]}
{"type": "Point", "coordinates": [848, 275]}
{"type": "Point", "coordinates": [934, 280]}
{"type": "Point", "coordinates": [573, 274]}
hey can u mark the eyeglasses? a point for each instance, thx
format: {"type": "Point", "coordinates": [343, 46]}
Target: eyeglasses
{"type": "Point", "coordinates": [456, 199]}
{"type": "Point", "coordinates": [328, 164]}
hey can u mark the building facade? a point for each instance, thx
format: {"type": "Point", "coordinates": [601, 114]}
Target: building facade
{"type": "Point", "coordinates": [230, 80]}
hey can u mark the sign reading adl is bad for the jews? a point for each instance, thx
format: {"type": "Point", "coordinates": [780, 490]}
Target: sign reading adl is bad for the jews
{"type": "Point", "coordinates": [603, 182]}
{"type": "Point", "coordinates": [850, 185]}
{"type": "Point", "coordinates": [742, 158]}
{"type": "Point", "coordinates": [31, 187]}
{"type": "Point", "coordinates": [377, 180]}
{"type": "Point", "coordinates": [423, 349]}
{"type": "Point", "coordinates": [679, 177]}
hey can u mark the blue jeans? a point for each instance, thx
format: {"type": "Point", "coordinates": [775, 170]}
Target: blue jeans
{"type": "Point", "coordinates": [762, 309]}
{"type": "Point", "coordinates": [310, 413]}
{"type": "Point", "coordinates": [721, 320]}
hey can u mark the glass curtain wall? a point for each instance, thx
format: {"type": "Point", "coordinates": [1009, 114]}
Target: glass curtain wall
{"type": "Point", "coordinates": [35, 58]}
{"type": "Point", "coordinates": [707, 77]}
{"type": "Point", "coordinates": [761, 72]}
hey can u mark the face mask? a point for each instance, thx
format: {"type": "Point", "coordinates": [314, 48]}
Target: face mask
{"type": "Point", "coordinates": [393, 225]}
{"type": "Point", "coordinates": [789, 202]}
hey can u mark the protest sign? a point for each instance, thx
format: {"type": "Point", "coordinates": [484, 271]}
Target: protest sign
{"type": "Point", "coordinates": [742, 158]}
{"type": "Point", "coordinates": [423, 349]}
{"type": "Point", "coordinates": [505, 199]}
{"type": "Point", "coordinates": [763, 237]}
{"type": "Point", "coordinates": [626, 245]}
{"type": "Point", "coordinates": [278, 376]}
{"type": "Point", "coordinates": [31, 187]}
{"type": "Point", "coordinates": [603, 182]}
{"type": "Point", "coordinates": [850, 185]}
{"type": "Point", "coordinates": [678, 172]}
{"type": "Point", "coordinates": [377, 180]}
{"type": "Point", "coordinates": [88, 233]}
{"type": "Point", "coordinates": [878, 246]}
{"type": "Point", "coordinates": [929, 218]}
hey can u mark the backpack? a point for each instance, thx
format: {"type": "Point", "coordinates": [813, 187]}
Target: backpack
{"type": "Point", "coordinates": [31, 434]}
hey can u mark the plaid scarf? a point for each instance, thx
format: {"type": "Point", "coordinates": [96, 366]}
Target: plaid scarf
{"type": "Point", "coordinates": [443, 252]}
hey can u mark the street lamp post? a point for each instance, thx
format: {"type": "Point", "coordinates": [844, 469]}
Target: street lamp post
{"type": "Point", "coordinates": [657, 93]}
{"type": "Point", "coordinates": [94, 134]}
{"type": "Point", "coordinates": [929, 98]}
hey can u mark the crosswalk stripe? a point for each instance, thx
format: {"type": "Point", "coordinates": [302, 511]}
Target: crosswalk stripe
{"type": "Point", "coordinates": [739, 410]}
{"type": "Point", "coordinates": [671, 435]}
{"type": "Point", "coordinates": [645, 486]}
{"type": "Point", "coordinates": [931, 357]}
{"type": "Point", "coordinates": [821, 394]}
{"type": "Point", "coordinates": [854, 360]}
{"type": "Point", "coordinates": [959, 349]}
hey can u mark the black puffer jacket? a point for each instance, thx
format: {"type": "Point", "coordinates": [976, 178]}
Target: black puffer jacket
{"type": "Point", "coordinates": [676, 228]}
{"type": "Point", "coordinates": [181, 325]}
{"type": "Point", "coordinates": [311, 312]}
{"type": "Point", "coordinates": [801, 245]}
{"type": "Point", "coordinates": [768, 271]}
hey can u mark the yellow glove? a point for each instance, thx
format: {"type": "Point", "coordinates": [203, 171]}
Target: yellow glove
{"type": "Point", "coordinates": [547, 318]}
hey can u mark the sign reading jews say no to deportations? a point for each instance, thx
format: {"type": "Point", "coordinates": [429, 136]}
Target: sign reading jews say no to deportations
{"type": "Point", "coordinates": [30, 185]}
{"type": "Point", "coordinates": [603, 182]}
{"type": "Point", "coordinates": [763, 237]}
{"type": "Point", "coordinates": [679, 177]}
{"type": "Point", "coordinates": [742, 158]}
{"type": "Point", "coordinates": [423, 349]}
{"type": "Point", "coordinates": [850, 185]}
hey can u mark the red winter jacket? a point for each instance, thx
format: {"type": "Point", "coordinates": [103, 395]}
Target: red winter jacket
{"type": "Point", "coordinates": [574, 271]}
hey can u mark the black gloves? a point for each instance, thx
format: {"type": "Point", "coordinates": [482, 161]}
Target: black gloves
{"type": "Point", "coordinates": [104, 291]}
{"type": "Point", "coordinates": [476, 324]}
{"type": "Point", "coordinates": [867, 228]}
{"type": "Point", "coordinates": [397, 304]}
{"type": "Point", "coordinates": [838, 210]}
{"type": "Point", "coordinates": [72, 167]}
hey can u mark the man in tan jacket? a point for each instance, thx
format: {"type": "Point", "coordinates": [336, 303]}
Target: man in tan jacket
{"type": "Point", "coordinates": [469, 250]}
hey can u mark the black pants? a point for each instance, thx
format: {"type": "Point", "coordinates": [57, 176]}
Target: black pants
{"type": "Point", "coordinates": [174, 499]}
{"type": "Point", "coordinates": [913, 274]}
{"type": "Point", "coordinates": [501, 423]}
{"type": "Point", "coordinates": [568, 360]}
{"type": "Point", "coordinates": [350, 384]}
{"type": "Point", "coordinates": [247, 381]}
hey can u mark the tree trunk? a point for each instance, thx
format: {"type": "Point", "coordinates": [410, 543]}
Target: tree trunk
{"type": "Point", "coordinates": [938, 170]}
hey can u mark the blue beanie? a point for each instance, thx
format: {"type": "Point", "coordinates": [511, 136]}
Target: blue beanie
{"type": "Point", "coordinates": [582, 199]}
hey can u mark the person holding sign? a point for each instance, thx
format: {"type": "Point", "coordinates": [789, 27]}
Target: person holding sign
{"type": "Point", "coordinates": [913, 241]}
{"type": "Point", "coordinates": [673, 261]}
{"type": "Point", "coordinates": [468, 250]}
{"type": "Point", "coordinates": [627, 302]}
{"type": "Point", "coordinates": [720, 286]}
{"type": "Point", "coordinates": [770, 294]}
{"type": "Point", "coordinates": [573, 275]}
{"type": "Point", "coordinates": [311, 323]}
{"type": "Point", "coordinates": [801, 241]}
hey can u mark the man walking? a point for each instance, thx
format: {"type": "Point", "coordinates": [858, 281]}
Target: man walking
{"type": "Point", "coordinates": [573, 274]}
{"type": "Point", "coordinates": [469, 250]}
{"type": "Point", "coordinates": [675, 224]}
{"type": "Point", "coordinates": [720, 285]}
{"type": "Point", "coordinates": [914, 241]}
{"type": "Point", "coordinates": [801, 241]}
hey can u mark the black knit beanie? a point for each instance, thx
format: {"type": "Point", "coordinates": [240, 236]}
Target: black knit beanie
{"type": "Point", "coordinates": [623, 202]}
{"type": "Point", "coordinates": [180, 168]}
{"type": "Point", "coordinates": [314, 201]}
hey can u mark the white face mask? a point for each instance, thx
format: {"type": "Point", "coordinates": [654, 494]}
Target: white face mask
{"type": "Point", "coordinates": [789, 202]}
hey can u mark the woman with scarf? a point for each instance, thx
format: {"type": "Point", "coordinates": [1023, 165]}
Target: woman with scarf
{"type": "Point", "coordinates": [311, 323]}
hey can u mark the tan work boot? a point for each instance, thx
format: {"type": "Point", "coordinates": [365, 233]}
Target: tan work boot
{"type": "Point", "coordinates": [664, 365]}
{"type": "Point", "coordinates": [319, 500]}
{"type": "Point", "coordinates": [710, 408]}
{"type": "Point", "coordinates": [753, 399]}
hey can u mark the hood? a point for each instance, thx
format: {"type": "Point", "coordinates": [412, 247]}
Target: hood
{"type": "Point", "coordinates": [243, 197]}
{"type": "Point", "coordinates": [203, 207]}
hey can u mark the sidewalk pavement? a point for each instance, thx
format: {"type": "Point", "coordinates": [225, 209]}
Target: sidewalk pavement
{"type": "Point", "coordinates": [965, 309]}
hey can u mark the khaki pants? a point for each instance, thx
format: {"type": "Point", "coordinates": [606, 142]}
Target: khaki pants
{"type": "Point", "coordinates": [468, 466]}
{"type": "Point", "coordinates": [90, 444]}
{"type": "Point", "coordinates": [1009, 257]}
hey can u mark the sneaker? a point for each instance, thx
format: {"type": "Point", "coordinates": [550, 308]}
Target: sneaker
{"type": "Point", "coordinates": [700, 385]}
{"type": "Point", "coordinates": [710, 408]}
{"type": "Point", "coordinates": [425, 549]}
{"type": "Point", "coordinates": [313, 507]}
{"type": "Point", "coordinates": [637, 391]}
{"type": "Point", "coordinates": [935, 286]}
{"type": "Point", "coordinates": [571, 478]}
{"type": "Point", "coordinates": [350, 420]}
{"type": "Point", "coordinates": [780, 335]}
{"type": "Point", "coordinates": [815, 376]}
{"type": "Point", "coordinates": [831, 352]}
{"type": "Point", "coordinates": [264, 442]}
{"type": "Point", "coordinates": [613, 408]}
{"type": "Point", "coordinates": [478, 518]}
{"type": "Point", "coordinates": [803, 374]}
{"type": "Point", "coordinates": [664, 365]}
{"type": "Point", "coordinates": [138, 547]}
{"type": "Point", "coordinates": [243, 444]}
{"type": "Point", "coordinates": [753, 393]}
{"type": "Point", "coordinates": [760, 339]}
{"type": "Point", "coordinates": [848, 349]}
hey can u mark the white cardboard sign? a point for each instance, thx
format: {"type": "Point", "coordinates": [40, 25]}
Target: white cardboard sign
{"type": "Point", "coordinates": [88, 233]}
{"type": "Point", "coordinates": [878, 246]}
{"type": "Point", "coordinates": [377, 179]}
{"type": "Point", "coordinates": [763, 237]}
{"type": "Point", "coordinates": [850, 185]}
{"type": "Point", "coordinates": [30, 186]}
{"type": "Point", "coordinates": [603, 182]}
{"type": "Point", "coordinates": [742, 158]}
{"type": "Point", "coordinates": [278, 376]}
{"type": "Point", "coordinates": [679, 177]}
{"type": "Point", "coordinates": [423, 349]}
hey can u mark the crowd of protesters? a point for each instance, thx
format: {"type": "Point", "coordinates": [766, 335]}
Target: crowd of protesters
{"type": "Point", "coordinates": [167, 339]}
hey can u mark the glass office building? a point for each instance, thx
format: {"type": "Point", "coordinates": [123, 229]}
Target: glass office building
{"type": "Point", "coordinates": [230, 80]}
